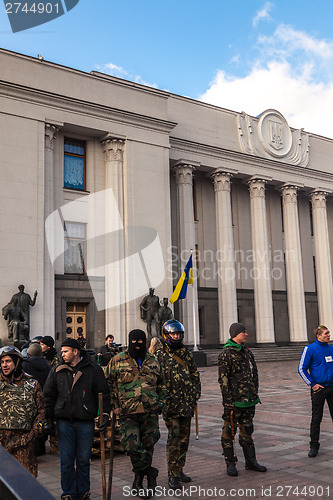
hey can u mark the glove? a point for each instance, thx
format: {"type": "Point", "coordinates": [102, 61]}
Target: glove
{"type": "Point", "coordinates": [49, 427]}
{"type": "Point", "coordinates": [102, 427]}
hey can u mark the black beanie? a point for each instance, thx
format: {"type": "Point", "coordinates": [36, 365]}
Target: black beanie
{"type": "Point", "coordinates": [47, 340]}
{"type": "Point", "coordinates": [71, 343]}
{"type": "Point", "coordinates": [235, 329]}
{"type": "Point", "coordinates": [137, 335]}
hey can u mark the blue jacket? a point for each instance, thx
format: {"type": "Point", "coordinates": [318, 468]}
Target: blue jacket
{"type": "Point", "coordinates": [316, 364]}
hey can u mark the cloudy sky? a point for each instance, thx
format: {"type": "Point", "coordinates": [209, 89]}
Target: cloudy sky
{"type": "Point", "coordinates": [244, 55]}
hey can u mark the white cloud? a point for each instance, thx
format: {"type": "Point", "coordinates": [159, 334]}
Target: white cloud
{"type": "Point", "coordinates": [263, 14]}
{"type": "Point", "coordinates": [120, 72]}
{"type": "Point", "coordinates": [304, 104]}
{"type": "Point", "coordinates": [286, 39]}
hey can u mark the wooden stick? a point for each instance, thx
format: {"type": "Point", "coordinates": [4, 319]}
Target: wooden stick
{"type": "Point", "coordinates": [113, 421]}
{"type": "Point", "coordinates": [102, 444]}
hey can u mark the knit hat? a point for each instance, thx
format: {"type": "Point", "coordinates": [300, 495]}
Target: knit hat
{"type": "Point", "coordinates": [71, 343]}
{"type": "Point", "coordinates": [35, 349]}
{"type": "Point", "coordinates": [47, 340]}
{"type": "Point", "coordinates": [235, 329]}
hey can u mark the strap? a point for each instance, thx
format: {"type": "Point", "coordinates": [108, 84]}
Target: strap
{"type": "Point", "coordinates": [180, 361]}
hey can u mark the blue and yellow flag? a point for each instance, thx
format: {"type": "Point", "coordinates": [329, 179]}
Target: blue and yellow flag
{"type": "Point", "coordinates": [185, 279]}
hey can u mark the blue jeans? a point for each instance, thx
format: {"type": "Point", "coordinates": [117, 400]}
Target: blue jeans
{"type": "Point", "coordinates": [75, 441]}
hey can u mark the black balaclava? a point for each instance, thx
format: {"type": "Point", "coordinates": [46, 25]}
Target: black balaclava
{"type": "Point", "coordinates": [132, 348]}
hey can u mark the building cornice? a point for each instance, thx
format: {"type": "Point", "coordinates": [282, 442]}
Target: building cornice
{"type": "Point", "coordinates": [251, 164]}
{"type": "Point", "coordinates": [65, 103]}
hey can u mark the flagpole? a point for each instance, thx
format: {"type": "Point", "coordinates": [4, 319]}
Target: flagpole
{"type": "Point", "coordinates": [195, 329]}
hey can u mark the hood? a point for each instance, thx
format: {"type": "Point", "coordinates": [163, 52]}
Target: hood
{"type": "Point", "coordinates": [231, 343]}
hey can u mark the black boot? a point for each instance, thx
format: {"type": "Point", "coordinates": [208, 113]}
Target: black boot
{"type": "Point", "coordinates": [251, 461]}
{"type": "Point", "coordinates": [151, 474]}
{"type": "Point", "coordinates": [231, 460]}
{"type": "Point", "coordinates": [137, 486]}
{"type": "Point", "coordinates": [174, 483]}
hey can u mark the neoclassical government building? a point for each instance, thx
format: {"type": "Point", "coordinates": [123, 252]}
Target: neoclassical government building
{"type": "Point", "coordinates": [107, 185]}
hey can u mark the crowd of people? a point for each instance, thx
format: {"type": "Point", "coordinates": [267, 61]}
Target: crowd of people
{"type": "Point", "coordinates": [45, 393]}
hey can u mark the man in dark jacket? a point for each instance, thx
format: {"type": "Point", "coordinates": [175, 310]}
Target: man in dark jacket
{"type": "Point", "coordinates": [238, 379]}
{"type": "Point", "coordinates": [49, 351]}
{"type": "Point", "coordinates": [183, 391]}
{"type": "Point", "coordinates": [107, 351]}
{"type": "Point", "coordinates": [35, 364]}
{"type": "Point", "coordinates": [71, 398]}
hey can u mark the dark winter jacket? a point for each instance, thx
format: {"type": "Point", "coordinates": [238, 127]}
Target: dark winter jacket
{"type": "Point", "coordinates": [38, 367]}
{"type": "Point", "coordinates": [238, 375]}
{"type": "Point", "coordinates": [182, 381]}
{"type": "Point", "coordinates": [73, 394]}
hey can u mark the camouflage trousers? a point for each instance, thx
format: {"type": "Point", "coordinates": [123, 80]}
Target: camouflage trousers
{"type": "Point", "coordinates": [177, 445]}
{"type": "Point", "coordinates": [24, 452]}
{"type": "Point", "coordinates": [243, 419]}
{"type": "Point", "coordinates": [138, 435]}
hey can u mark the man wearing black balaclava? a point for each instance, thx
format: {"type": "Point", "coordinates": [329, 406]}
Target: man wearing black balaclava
{"type": "Point", "coordinates": [138, 392]}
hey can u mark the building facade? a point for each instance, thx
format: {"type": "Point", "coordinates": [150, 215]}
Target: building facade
{"type": "Point", "coordinates": [107, 185]}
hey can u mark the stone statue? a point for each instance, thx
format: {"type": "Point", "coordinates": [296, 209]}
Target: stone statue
{"type": "Point", "coordinates": [18, 328]}
{"type": "Point", "coordinates": [24, 301]}
{"type": "Point", "coordinates": [148, 310]}
{"type": "Point", "coordinates": [163, 314]}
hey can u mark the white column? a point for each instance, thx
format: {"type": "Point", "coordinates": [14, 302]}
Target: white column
{"type": "Point", "coordinates": [294, 268]}
{"type": "Point", "coordinates": [186, 239]}
{"type": "Point", "coordinates": [115, 279]}
{"type": "Point", "coordinates": [227, 297]}
{"type": "Point", "coordinates": [323, 259]}
{"type": "Point", "coordinates": [261, 263]}
{"type": "Point", "coordinates": [49, 282]}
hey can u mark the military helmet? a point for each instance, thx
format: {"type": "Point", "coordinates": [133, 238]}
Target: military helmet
{"type": "Point", "coordinates": [173, 326]}
{"type": "Point", "coordinates": [9, 350]}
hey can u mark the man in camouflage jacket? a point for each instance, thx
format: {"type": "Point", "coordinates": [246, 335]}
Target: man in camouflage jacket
{"type": "Point", "coordinates": [137, 396]}
{"type": "Point", "coordinates": [183, 391]}
{"type": "Point", "coordinates": [238, 379]}
{"type": "Point", "coordinates": [22, 412]}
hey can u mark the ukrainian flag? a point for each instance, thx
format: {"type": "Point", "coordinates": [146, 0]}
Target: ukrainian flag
{"type": "Point", "coordinates": [185, 279]}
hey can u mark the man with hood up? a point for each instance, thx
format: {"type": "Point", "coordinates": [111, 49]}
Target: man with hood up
{"type": "Point", "coordinates": [71, 399]}
{"type": "Point", "coordinates": [21, 409]}
{"type": "Point", "coordinates": [183, 391]}
{"type": "Point", "coordinates": [137, 396]}
{"type": "Point", "coordinates": [238, 379]}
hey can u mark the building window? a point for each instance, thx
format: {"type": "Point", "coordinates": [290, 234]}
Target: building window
{"type": "Point", "coordinates": [311, 218]}
{"type": "Point", "coordinates": [74, 164]}
{"type": "Point", "coordinates": [74, 248]}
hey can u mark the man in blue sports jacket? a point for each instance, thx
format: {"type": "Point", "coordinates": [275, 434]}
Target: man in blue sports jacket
{"type": "Point", "coordinates": [316, 369]}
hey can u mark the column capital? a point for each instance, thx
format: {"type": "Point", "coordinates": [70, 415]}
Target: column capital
{"type": "Point", "coordinates": [50, 135]}
{"type": "Point", "coordinates": [257, 187]}
{"type": "Point", "coordinates": [113, 148]}
{"type": "Point", "coordinates": [289, 193]}
{"type": "Point", "coordinates": [318, 198]}
{"type": "Point", "coordinates": [222, 180]}
{"type": "Point", "coordinates": [184, 173]}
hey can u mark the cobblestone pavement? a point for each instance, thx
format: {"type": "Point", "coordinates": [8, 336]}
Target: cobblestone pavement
{"type": "Point", "coordinates": [281, 437]}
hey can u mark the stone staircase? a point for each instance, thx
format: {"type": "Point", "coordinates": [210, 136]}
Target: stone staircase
{"type": "Point", "coordinates": [262, 354]}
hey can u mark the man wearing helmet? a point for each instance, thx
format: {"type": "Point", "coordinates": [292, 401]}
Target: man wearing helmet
{"type": "Point", "coordinates": [22, 411]}
{"type": "Point", "coordinates": [183, 391]}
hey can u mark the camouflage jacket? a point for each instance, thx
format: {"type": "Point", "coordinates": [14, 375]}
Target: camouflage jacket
{"type": "Point", "coordinates": [238, 375]}
{"type": "Point", "coordinates": [52, 357]}
{"type": "Point", "coordinates": [182, 382]}
{"type": "Point", "coordinates": [22, 433]}
{"type": "Point", "coordinates": [135, 390]}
